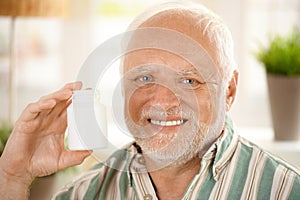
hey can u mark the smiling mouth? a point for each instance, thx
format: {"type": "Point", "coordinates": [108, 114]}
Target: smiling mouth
{"type": "Point", "coordinates": [167, 123]}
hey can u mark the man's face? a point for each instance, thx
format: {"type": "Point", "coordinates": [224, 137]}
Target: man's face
{"type": "Point", "coordinates": [167, 105]}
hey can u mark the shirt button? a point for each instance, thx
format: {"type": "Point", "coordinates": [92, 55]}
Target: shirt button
{"type": "Point", "coordinates": [148, 197]}
{"type": "Point", "coordinates": [141, 160]}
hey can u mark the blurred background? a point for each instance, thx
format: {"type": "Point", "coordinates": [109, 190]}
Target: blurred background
{"type": "Point", "coordinates": [51, 44]}
{"type": "Point", "coordinates": [50, 50]}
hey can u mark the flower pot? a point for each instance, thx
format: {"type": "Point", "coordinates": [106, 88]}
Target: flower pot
{"type": "Point", "coordinates": [284, 96]}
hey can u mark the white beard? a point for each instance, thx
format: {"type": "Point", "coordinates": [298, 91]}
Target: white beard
{"type": "Point", "coordinates": [172, 149]}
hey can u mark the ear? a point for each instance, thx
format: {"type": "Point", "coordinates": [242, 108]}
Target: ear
{"type": "Point", "coordinates": [231, 90]}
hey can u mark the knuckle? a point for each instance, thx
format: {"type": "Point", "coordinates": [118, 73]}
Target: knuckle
{"type": "Point", "coordinates": [42, 98]}
{"type": "Point", "coordinates": [25, 127]}
{"type": "Point", "coordinates": [30, 105]}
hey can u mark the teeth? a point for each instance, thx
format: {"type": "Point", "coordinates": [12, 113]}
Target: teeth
{"type": "Point", "coordinates": [166, 123]}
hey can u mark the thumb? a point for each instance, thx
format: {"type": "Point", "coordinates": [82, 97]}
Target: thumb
{"type": "Point", "coordinates": [71, 158]}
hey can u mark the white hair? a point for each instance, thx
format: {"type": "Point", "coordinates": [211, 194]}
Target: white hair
{"type": "Point", "coordinates": [210, 24]}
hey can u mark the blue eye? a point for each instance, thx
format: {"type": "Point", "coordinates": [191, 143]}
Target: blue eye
{"type": "Point", "coordinates": [145, 79]}
{"type": "Point", "coordinates": [188, 81]}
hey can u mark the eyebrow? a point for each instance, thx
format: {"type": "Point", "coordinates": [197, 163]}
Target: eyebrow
{"type": "Point", "coordinates": [184, 72]}
{"type": "Point", "coordinates": [188, 72]}
{"type": "Point", "coordinates": [141, 69]}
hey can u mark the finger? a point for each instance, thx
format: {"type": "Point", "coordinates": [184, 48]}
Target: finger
{"type": "Point", "coordinates": [59, 108]}
{"type": "Point", "coordinates": [59, 95]}
{"type": "Point", "coordinates": [32, 110]}
{"type": "Point", "coordinates": [73, 86]}
{"type": "Point", "coordinates": [71, 158]}
{"type": "Point", "coordinates": [60, 121]}
{"type": "Point", "coordinates": [65, 92]}
{"type": "Point", "coordinates": [47, 103]}
{"type": "Point", "coordinates": [64, 108]}
{"type": "Point", "coordinates": [57, 122]}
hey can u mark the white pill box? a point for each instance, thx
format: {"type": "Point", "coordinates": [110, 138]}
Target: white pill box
{"type": "Point", "coordinates": [87, 124]}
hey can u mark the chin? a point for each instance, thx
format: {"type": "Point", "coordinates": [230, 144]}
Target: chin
{"type": "Point", "coordinates": [178, 151]}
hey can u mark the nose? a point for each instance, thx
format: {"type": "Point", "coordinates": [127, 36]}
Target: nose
{"type": "Point", "coordinates": [164, 97]}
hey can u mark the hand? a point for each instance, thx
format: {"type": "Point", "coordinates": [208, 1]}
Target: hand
{"type": "Point", "coordinates": [36, 145]}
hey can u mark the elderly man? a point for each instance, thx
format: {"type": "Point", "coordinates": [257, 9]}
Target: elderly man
{"type": "Point", "coordinates": [176, 100]}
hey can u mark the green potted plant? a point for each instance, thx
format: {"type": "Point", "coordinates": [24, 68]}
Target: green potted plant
{"type": "Point", "coordinates": [281, 59]}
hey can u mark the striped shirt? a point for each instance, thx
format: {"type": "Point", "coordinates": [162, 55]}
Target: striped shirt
{"type": "Point", "coordinates": [233, 168]}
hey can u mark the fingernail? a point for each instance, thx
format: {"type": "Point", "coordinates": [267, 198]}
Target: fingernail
{"type": "Point", "coordinates": [77, 84]}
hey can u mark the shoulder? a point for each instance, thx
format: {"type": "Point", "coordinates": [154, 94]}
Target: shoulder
{"type": "Point", "coordinates": [270, 173]}
{"type": "Point", "coordinates": [270, 160]}
{"type": "Point", "coordinates": [89, 183]}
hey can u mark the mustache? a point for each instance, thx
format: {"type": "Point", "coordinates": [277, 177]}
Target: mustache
{"type": "Point", "coordinates": [140, 131]}
{"type": "Point", "coordinates": [160, 113]}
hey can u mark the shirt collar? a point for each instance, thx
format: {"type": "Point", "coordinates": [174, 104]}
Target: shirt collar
{"type": "Point", "coordinates": [224, 148]}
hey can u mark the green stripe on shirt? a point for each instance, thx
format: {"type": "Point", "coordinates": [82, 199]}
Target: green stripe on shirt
{"type": "Point", "coordinates": [225, 141]}
{"type": "Point", "coordinates": [66, 195]}
{"type": "Point", "coordinates": [295, 192]}
{"type": "Point", "coordinates": [118, 165]}
{"type": "Point", "coordinates": [241, 172]}
{"type": "Point", "coordinates": [267, 180]}
{"type": "Point", "coordinates": [92, 191]}
{"type": "Point", "coordinates": [123, 185]}
{"type": "Point", "coordinates": [207, 186]}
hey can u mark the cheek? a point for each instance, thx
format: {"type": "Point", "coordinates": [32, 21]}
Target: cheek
{"type": "Point", "coordinates": [200, 102]}
{"type": "Point", "coordinates": [205, 108]}
{"type": "Point", "coordinates": [135, 103]}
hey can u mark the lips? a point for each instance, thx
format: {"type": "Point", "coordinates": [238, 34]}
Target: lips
{"type": "Point", "coordinates": [167, 123]}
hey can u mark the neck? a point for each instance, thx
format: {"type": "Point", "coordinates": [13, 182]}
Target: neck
{"type": "Point", "coordinates": [171, 182]}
